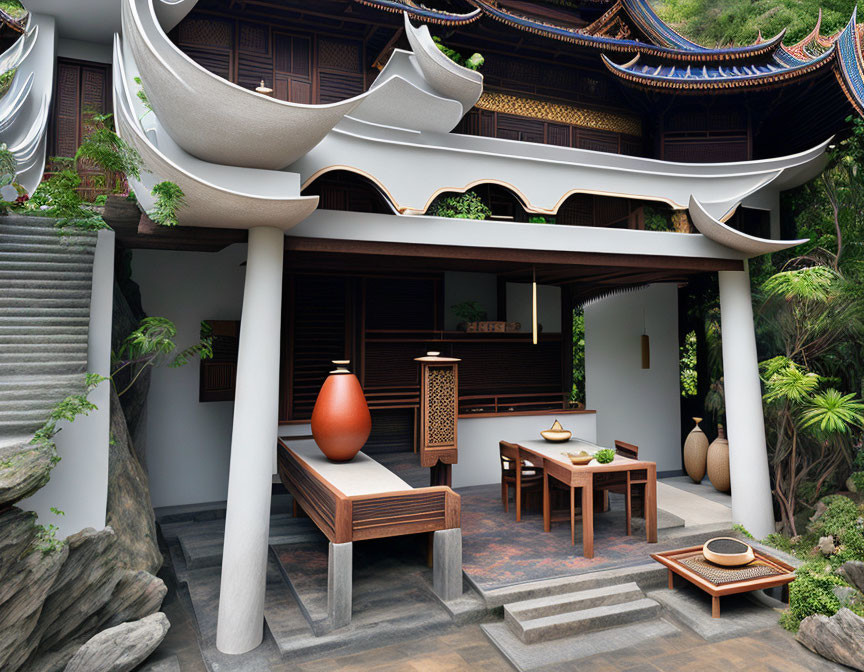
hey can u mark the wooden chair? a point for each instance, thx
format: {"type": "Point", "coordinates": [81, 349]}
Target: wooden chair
{"type": "Point", "coordinates": [524, 477]}
{"type": "Point", "coordinates": [626, 487]}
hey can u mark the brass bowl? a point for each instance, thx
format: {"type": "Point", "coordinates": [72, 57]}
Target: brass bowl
{"type": "Point", "coordinates": [728, 552]}
{"type": "Point", "coordinates": [556, 436]}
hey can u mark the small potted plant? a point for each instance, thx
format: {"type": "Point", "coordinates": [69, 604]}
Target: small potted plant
{"type": "Point", "coordinates": [470, 314]}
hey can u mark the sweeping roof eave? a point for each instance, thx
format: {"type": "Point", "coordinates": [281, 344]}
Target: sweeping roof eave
{"type": "Point", "coordinates": [704, 77]}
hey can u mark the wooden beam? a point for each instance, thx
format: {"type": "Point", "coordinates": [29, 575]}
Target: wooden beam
{"type": "Point", "coordinates": [545, 257]}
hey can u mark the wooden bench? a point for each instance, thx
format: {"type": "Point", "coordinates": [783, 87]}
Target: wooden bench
{"type": "Point", "coordinates": [363, 499]}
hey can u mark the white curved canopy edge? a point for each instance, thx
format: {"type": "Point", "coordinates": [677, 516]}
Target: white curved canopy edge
{"type": "Point", "coordinates": [541, 176]}
{"type": "Point", "coordinates": [450, 79]}
{"type": "Point", "coordinates": [193, 104]}
{"type": "Point", "coordinates": [24, 110]}
{"type": "Point", "coordinates": [270, 198]}
{"type": "Point", "coordinates": [724, 234]}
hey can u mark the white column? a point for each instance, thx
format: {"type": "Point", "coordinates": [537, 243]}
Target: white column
{"type": "Point", "coordinates": [748, 455]}
{"type": "Point", "coordinates": [253, 441]}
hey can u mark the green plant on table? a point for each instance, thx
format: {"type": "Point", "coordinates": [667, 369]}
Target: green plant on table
{"type": "Point", "coordinates": [469, 311]}
{"type": "Point", "coordinates": [604, 455]}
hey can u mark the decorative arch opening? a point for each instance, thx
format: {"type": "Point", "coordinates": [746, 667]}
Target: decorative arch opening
{"type": "Point", "coordinates": [348, 191]}
{"type": "Point", "coordinates": [494, 201]}
{"type": "Point", "coordinates": [580, 209]}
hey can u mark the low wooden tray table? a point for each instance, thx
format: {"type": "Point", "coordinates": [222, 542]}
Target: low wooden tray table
{"type": "Point", "coordinates": [718, 581]}
{"type": "Point", "coordinates": [363, 499]}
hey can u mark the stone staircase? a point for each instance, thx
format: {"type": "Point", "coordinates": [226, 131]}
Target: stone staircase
{"type": "Point", "coordinates": [547, 618]}
{"type": "Point", "coordinates": [560, 621]}
{"type": "Point", "coordinates": [45, 287]}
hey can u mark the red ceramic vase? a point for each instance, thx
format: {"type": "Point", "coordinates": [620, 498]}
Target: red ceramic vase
{"type": "Point", "coordinates": [340, 420]}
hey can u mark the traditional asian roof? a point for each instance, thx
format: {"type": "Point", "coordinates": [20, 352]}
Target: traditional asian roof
{"type": "Point", "coordinates": [712, 76]}
{"type": "Point", "coordinates": [849, 62]}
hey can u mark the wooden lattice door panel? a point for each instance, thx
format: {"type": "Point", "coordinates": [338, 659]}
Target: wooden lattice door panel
{"type": "Point", "coordinates": [439, 410]}
{"type": "Point", "coordinates": [81, 90]}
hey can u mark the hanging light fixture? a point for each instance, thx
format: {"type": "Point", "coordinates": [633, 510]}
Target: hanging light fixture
{"type": "Point", "coordinates": [646, 345]}
{"type": "Point", "coordinates": [534, 306]}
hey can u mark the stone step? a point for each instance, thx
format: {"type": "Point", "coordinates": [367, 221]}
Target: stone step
{"type": "Point", "coordinates": [35, 340]}
{"type": "Point", "coordinates": [17, 267]}
{"type": "Point", "coordinates": [42, 230]}
{"type": "Point", "coordinates": [43, 244]}
{"type": "Point", "coordinates": [37, 328]}
{"type": "Point", "coordinates": [581, 599]}
{"type": "Point", "coordinates": [18, 428]}
{"type": "Point", "coordinates": [567, 651]}
{"type": "Point", "coordinates": [35, 221]}
{"type": "Point", "coordinates": [33, 277]}
{"type": "Point", "coordinates": [31, 283]}
{"type": "Point", "coordinates": [37, 291]}
{"type": "Point", "coordinates": [572, 623]}
{"type": "Point", "coordinates": [646, 576]}
{"type": "Point", "coordinates": [54, 256]}
{"type": "Point", "coordinates": [20, 405]}
{"type": "Point", "coordinates": [17, 367]}
{"type": "Point", "coordinates": [22, 310]}
{"type": "Point", "coordinates": [53, 353]}
{"type": "Point", "coordinates": [79, 299]}
{"type": "Point", "coordinates": [25, 416]}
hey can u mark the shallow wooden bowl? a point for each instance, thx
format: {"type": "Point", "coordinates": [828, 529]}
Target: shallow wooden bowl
{"type": "Point", "coordinates": [556, 436]}
{"type": "Point", "coordinates": [728, 552]}
{"type": "Point", "coordinates": [580, 460]}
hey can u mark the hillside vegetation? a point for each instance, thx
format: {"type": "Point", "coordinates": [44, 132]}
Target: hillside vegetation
{"type": "Point", "coordinates": [721, 22]}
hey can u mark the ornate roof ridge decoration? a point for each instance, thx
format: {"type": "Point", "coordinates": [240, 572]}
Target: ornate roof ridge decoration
{"type": "Point", "coordinates": [696, 77]}
{"type": "Point", "coordinates": [561, 113]}
{"type": "Point", "coordinates": [421, 12]}
{"type": "Point", "coordinates": [583, 37]}
{"type": "Point", "coordinates": [849, 60]}
{"type": "Point", "coordinates": [721, 233]}
{"type": "Point", "coordinates": [602, 25]}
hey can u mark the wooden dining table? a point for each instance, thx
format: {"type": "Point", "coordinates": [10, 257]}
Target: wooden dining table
{"type": "Point", "coordinates": [621, 471]}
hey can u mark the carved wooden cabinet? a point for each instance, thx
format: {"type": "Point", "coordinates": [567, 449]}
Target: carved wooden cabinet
{"type": "Point", "coordinates": [439, 414]}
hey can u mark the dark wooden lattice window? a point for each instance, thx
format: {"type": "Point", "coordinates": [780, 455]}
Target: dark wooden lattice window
{"type": "Point", "coordinates": [81, 90]}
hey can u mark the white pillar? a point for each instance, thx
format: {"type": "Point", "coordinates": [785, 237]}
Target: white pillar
{"type": "Point", "coordinates": [748, 454]}
{"type": "Point", "coordinates": [253, 441]}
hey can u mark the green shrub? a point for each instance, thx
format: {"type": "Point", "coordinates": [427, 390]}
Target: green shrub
{"type": "Point", "coordinates": [812, 592]}
{"type": "Point", "coordinates": [461, 206]}
{"type": "Point", "coordinates": [841, 513]}
{"type": "Point", "coordinates": [473, 62]}
{"type": "Point", "coordinates": [169, 199]}
{"type": "Point", "coordinates": [858, 481]}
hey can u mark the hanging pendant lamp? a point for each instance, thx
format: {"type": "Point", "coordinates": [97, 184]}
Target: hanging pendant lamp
{"type": "Point", "coordinates": [646, 345]}
{"type": "Point", "coordinates": [534, 306]}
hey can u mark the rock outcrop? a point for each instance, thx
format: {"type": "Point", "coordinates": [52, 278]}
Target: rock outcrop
{"type": "Point", "coordinates": [24, 468]}
{"type": "Point", "coordinates": [121, 648]}
{"type": "Point", "coordinates": [130, 513]}
{"type": "Point", "coordinates": [839, 638]}
{"type": "Point", "coordinates": [853, 570]}
{"type": "Point", "coordinates": [55, 597]}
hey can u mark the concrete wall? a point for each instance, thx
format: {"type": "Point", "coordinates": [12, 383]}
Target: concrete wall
{"type": "Point", "coordinates": [478, 442]}
{"type": "Point", "coordinates": [548, 306]}
{"type": "Point", "coordinates": [84, 51]}
{"type": "Point", "coordinates": [636, 405]}
{"type": "Point", "coordinates": [188, 443]}
{"type": "Point", "coordinates": [79, 482]}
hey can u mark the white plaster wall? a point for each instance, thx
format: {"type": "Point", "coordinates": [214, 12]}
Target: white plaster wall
{"type": "Point", "coordinates": [548, 306]}
{"type": "Point", "coordinates": [188, 443]}
{"type": "Point", "coordinates": [79, 482]}
{"type": "Point", "coordinates": [97, 52]}
{"type": "Point", "coordinates": [478, 441]}
{"type": "Point", "coordinates": [636, 405]}
{"type": "Point", "coordinates": [479, 287]}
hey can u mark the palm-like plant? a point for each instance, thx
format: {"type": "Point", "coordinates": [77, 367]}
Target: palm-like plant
{"type": "Point", "coordinates": [833, 413]}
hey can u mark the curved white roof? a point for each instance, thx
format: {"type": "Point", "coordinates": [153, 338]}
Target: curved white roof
{"type": "Point", "coordinates": [724, 234]}
{"type": "Point", "coordinates": [216, 195]}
